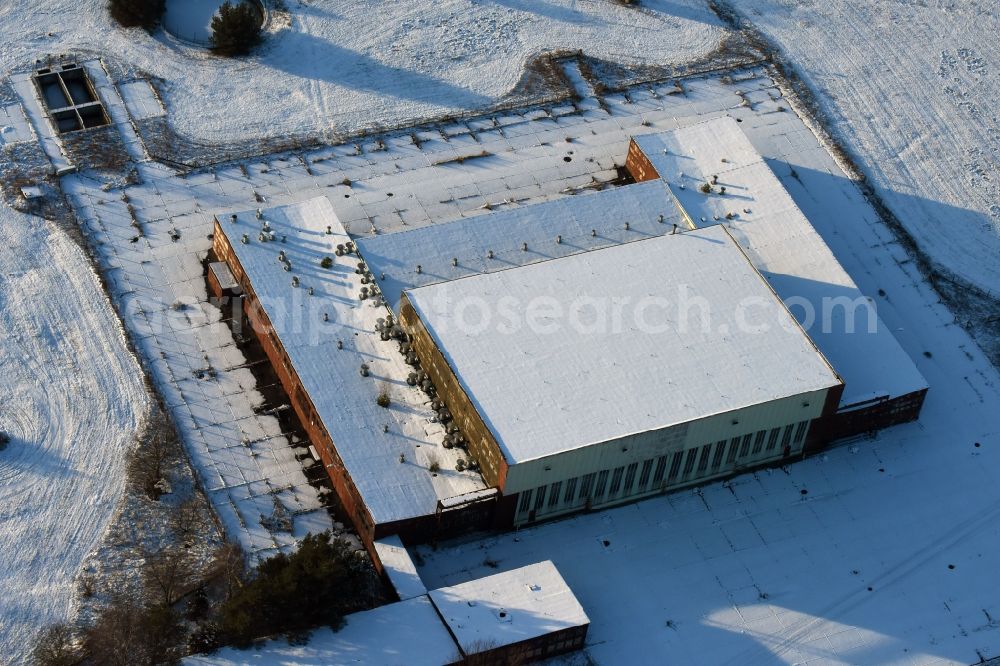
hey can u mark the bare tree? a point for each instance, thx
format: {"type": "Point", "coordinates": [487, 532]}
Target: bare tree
{"type": "Point", "coordinates": [186, 519]}
{"type": "Point", "coordinates": [167, 573]}
{"type": "Point", "coordinates": [56, 646]}
{"type": "Point", "coordinates": [149, 460]}
{"type": "Point", "coordinates": [229, 567]}
{"type": "Point", "coordinates": [129, 634]}
{"type": "Point", "coordinates": [116, 637]}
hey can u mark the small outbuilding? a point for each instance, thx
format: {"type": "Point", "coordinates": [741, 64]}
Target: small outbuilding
{"type": "Point", "coordinates": [513, 617]}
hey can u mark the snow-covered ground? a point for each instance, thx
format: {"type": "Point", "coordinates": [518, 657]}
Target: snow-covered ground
{"type": "Point", "coordinates": [73, 400]}
{"type": "Point", "coordinates": [913, 90]}
{"type": "Point", "coordinates": [341, 66]}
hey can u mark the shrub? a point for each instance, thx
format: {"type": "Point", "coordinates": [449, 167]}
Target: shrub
{"type": "Point", "coordinates": [315, 585]}
{"type": "Point", "coordinates": [56, 647]}
{"type": "Point", "coordinates": [326, 262]}
{"type": "Point", "coordinates": [137, 13]}
{"type": "Point", "coordinates": [706, 188]}
{"type": "Point", "coordinates": [129, 634]}
{"type": "Point", "coordinates": [236, 29]}
{"type": "Point", "coordinates": [383, 399]}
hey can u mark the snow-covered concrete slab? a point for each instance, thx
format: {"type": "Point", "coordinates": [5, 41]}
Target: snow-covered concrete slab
{"type": "Point", "coordinates": [14, 126]}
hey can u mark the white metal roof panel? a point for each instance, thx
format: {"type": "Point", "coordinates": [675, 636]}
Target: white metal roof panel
{"type": "Point", "coordinates": [509, 607]}
{"type": "Point", "coordinates": [551, 367]}
{"type": "Point", "coordinates": [552, 229]}
{"type": "Point", "coordinates": [785, 247]}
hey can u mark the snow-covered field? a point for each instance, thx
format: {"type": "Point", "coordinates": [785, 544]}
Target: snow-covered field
{"type": "Point", "coordinates": [913, 90]}
{"type": "Point", "coordinates": [73, 399]}
{"type": "Point", "coordinates": [340, 66]}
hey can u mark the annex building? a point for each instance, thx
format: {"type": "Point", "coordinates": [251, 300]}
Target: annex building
{"type": "Point", "coordinates": [578, 353]}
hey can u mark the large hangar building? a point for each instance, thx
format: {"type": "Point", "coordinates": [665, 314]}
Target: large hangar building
{"type": "Point", "coordinates": [610, 374]}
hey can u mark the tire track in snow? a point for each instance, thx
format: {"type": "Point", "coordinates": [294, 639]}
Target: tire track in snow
{"type": "Point", "coordinates": [73, 398]}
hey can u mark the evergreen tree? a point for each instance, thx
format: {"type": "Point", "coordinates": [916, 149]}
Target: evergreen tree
{"type": "Point", "coordinates": [236, 28]}
{"type": "Point", "coordinates": [316, 585]}
{"type": "Point", "coordinates": [137, 13]}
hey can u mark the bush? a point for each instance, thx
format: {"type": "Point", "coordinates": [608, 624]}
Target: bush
{"type": "Point", "coordinates": [56, 647]}
{"type": "Point", "coordinates": [236, 29]}
{"type": "Point", "coordinates": [316, 585]}
{"type": "Point", "coordinates": [706, 188]}
{"type": "Point", "coordinates": [326, 262]}
{"type": "Point", "coordinates": [383, 399]}
{"type": "Point", "coordinates": [130, 634]}
{"type": "Point", "coordinates": [137, 13]}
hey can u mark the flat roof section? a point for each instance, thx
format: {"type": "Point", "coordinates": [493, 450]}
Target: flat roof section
{"type": "Point", "coordinates": [603, 344]}
{"type": "Point", "coordinates": [305, 233]}
{"type": "Point", "coordinates": [785, 248]}
{"type": "Point", "coordinates": [550, 229]}
{"type": "Point", "coordinates": [509, 607]}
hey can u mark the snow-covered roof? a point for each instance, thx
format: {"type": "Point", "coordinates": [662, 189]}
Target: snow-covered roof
{"type": "Point", "coordinates": [399, 567]}
{"type": "Point", "coordinates": [784, 247]}
{"type": "Point", "coordinates": [509, 607]}
{"type": "Point", "coordinates": [551, 229]}
{"type": "Point", "coordinates": [599, 345]}
{"type": "Point", "coordinates": [307, 232]}
{"type": "Point", "coordinates": [406, 632]}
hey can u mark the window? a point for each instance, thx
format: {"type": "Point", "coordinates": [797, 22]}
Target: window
{"type": "Point", "coordinates": [661, 464]}
{"type": "Point", "coordinates": [800, 432]}
{"type": "Point", "coordinates": [616, 481]}
{"type": "Point", "coordinates": [586, 485]}
{"type": "Point", "coordinates": [602, 483]}
{"type": "Point", "coordinates": [647, 469]}
{"type": "Point", "coordinates": [703, 461]}
{"type": "Point", "coordinates": [554, 493]}
{"type": "Point", "coordinates": [734, 447]}
{"type": "Point", "coordinates": [525, 502]}
{"type": "Point", "coordinates": [786, 437]}
{"type": "Point", "coordinates": [720, 448]}
{"type": "Point", "coordinates": [758, 442]}
{"type": "Point", "coordinates": [570, 491]}
{"type": "Point", "coordinates": [675, 464]}
{"type": "Point", "coordinates": [772, 439]}
{"type": "Point", "coordinates": [539, 498]}
{"type": "Point", "coordinates": [689, 461]}
{"type": "Point", "coordinates": [745, 447]}
{"type": "Point", "coordinates": [630, 477]}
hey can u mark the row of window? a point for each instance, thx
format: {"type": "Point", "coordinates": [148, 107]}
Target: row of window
{"type": "Point", "coordinates": [637, 478]}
